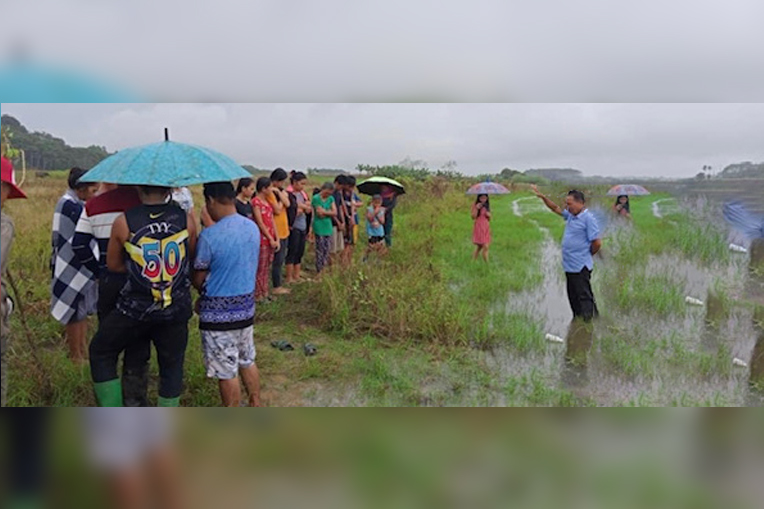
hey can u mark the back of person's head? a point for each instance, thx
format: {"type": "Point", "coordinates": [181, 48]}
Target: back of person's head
{"type": "Point", "coordinates": [278, 175]}
{"type": "Point", "coordinates": [316, 190]}
{"type": "Point", "coordinates": [222, 192]}
{"type": "Point", "coordinates": [155, 190]}
{"type": "Point", "coordinates": [298, 176]}
{"type": "Point", "coordinates": [75, 174]}
{"type": "Point", "coordinates": [243, 184]}
{"type": "Point", "coordinates": [262, 183]}
{"type": "Point", "coordinates": [577, 195]}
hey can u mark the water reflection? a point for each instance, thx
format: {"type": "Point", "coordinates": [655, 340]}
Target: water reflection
{"type": "Point", "coordinates": [579, 343]}
{"type": "Point", "coordinates": [717, 313]}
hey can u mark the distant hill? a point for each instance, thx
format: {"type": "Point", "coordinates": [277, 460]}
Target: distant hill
{"type": "Point", "coordinates": [743, 170]}
{"type": "Point", "coordinates": [44, 151]}
{"type": "Point", "coordinates": [556, 174]}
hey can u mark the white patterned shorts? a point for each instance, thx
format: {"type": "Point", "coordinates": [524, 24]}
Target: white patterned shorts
{"type": "Point", "coordinates": [225, 352]}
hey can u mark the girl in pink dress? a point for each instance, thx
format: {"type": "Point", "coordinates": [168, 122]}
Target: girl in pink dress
{"type": "Point", "coordinates": [481, 234]}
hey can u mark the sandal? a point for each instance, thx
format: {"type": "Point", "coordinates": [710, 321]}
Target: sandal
{"type": "Point", "coordinates": [283, 345]}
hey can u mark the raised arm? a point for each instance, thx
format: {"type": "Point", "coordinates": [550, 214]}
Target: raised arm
{"type": "Point", "coordinates": [549, 203]}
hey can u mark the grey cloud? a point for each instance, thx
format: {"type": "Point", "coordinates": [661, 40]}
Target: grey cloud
{"type": "Point", "coordinates": [603, 139]}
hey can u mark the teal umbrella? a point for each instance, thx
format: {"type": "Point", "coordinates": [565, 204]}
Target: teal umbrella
{"type": "Point", "coordinates": [166, 164]}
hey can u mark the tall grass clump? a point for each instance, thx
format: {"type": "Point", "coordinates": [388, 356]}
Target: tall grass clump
{"type": "Point", "coordinates": [678, 233]}
{"type": "Point", "coordinates": [659, 294]}
{"type": "Point", "coordinates": [403, 297]}
{"type": "Point", "coordinates": [429, 289]}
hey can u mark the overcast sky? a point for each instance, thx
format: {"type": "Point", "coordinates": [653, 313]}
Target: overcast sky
{"type": "Point", "coordinates": [598, 139]}
{"type": "Point", "coordinates": [443, 50]}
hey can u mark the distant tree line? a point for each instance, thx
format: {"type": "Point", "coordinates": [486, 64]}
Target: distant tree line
{"type": "Point", "coordinates": [43, 151]}
{"type": "Point", "coordinates": [419, 170]}
{"type": "Point", "coordinates": [743, 170]}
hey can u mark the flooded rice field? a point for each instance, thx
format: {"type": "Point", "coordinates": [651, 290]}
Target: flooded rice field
{"type": "Point", "coordinates": [673, 330]}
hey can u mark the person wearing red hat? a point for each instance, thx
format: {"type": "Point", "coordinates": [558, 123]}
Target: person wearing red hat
{"type": "Point", "coordinates": [9, 191]}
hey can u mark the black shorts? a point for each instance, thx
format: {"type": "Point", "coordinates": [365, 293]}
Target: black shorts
{"type": "Point", "coordinates": [376, 240]}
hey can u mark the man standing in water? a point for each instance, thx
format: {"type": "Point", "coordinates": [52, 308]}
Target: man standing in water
{"type": "Point", "coordinates": [580, 242]}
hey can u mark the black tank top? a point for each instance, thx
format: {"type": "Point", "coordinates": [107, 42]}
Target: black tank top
{"type": "Point", "coordinates": [158, 280]}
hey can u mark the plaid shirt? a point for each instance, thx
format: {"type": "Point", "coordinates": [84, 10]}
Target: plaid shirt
{"type": "Point", "coordinates": [70, 276]}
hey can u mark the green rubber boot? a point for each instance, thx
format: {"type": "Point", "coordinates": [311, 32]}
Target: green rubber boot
{"type": "Point", "coordinates": [168, 402]}
{"type": "Point", "coordinates": [26, 503]}
{"type": "Point", "coordinates": [109, 394]}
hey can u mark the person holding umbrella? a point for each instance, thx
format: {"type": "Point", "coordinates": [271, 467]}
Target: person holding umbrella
{"type": "Point", "coordinates": [580, 243]}
{"type": "Point", "coordinates": [481, 233]}
{"type": "Point", "coordinates": [154, 245]}
{"type": "Point", "coordinates": [621, 207]}
{"type": "Point", "coordinates": [481, 214]}
{"type": "Point", "coordinates": [10, 191]}
{"type": "Point", "coordinates": [389, 201]}
{"type": "Point", "coordinates": [389, 190]}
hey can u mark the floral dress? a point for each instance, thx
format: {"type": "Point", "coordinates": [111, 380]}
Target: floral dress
{"type": "Point", "coordinates": [266, 251]}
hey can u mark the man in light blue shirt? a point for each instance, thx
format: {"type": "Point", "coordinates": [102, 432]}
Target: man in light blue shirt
{"type": "Point", "coordinates": [580, 242]}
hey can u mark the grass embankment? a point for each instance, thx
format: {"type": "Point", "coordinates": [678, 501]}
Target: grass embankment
{"type": "Point", "coordinates": [396, 332]}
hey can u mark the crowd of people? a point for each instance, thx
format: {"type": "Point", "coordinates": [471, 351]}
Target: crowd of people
{"type": "Point", "coordinates": [131, 254]}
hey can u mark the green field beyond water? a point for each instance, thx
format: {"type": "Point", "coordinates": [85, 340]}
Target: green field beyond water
{"type": "Point", "coordinates": [428, 326]}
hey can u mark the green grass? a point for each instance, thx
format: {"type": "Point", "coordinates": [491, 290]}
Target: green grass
{"type": "Point", "coordinates": [678, 233]}
{"type": "Point", "coordinates": [417, 328]}
{"type": "Point", "coordinates": [660, 294]}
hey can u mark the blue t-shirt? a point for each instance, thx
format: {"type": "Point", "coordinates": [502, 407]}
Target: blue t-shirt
{"type": "Point", "coordinates": [229, 250]}
{"type": "Point", "coordinates": [379, 231]}
{"type": "Point", "coordinates": [580, 232]}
